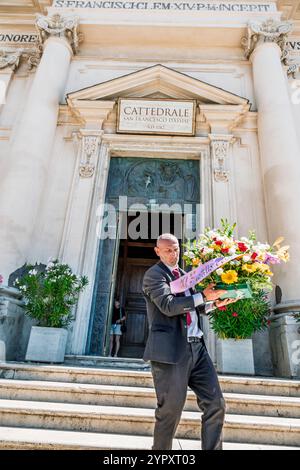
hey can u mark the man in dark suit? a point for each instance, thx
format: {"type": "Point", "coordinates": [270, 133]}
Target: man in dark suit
{"type": "Point", "coordinates": [177, 352]}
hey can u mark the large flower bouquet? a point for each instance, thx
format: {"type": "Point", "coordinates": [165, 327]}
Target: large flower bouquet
{"type": "Point", "coordinates": [253, 266]}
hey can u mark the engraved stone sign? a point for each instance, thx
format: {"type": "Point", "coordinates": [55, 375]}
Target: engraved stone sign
{"type": "Point", "coordinates": [156, 116]}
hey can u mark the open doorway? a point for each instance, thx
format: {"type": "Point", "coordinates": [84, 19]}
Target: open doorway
{"type": "Point", "coordinates": [135, 257]}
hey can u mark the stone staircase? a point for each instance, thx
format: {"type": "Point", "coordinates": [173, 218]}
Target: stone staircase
{"type": "Point", "coordinates": [72, 407]}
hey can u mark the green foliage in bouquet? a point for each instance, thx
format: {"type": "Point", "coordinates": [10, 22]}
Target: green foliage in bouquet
{"type": "Point", "coordinates": [241, 319]}
{"type": "Point", "coordinates": [50, 295]}
{"type": "Point", "coordinates": [251, 267]}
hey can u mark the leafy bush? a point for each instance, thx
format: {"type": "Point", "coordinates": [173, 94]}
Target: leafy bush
{"type": "Point", "coordinates": [51, 294]}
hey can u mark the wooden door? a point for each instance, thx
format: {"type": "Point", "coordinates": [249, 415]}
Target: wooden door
{"type": "Point", "coordinates": [134, 340]}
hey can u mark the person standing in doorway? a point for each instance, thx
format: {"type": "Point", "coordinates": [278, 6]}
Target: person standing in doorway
{"type": "Point", "coordinates": [177, 352]}
{"type": "Point", "coordinates": [115, 331]}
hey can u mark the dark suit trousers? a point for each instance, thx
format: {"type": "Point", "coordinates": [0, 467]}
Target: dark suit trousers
{"type": "Point", "coordinates": [197, 371]}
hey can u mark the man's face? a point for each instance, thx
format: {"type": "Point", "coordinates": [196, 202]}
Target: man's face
{"type": "Point", "coordinates": [117, 304]}
{"type": "Point", "coordinates": [168, 251]}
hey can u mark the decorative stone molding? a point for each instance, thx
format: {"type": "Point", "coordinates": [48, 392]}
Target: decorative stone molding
{"type": "Point", "coordinates": [293, 69]}
{"type": "Point", "coordinates": [89, 149]}
{"type": "Point", "coordinates": [267, 31]}
{"type": "Point", "coordinates": [10, 58]}
{"type": "Point", "coordinates": [60, 27]}
{"type": "Point", "coordinates": [33, 56]}
{"type": "Point", "coordinates": [220, 145]}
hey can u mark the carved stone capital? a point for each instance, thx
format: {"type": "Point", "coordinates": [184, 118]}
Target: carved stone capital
{"type": "Point", "coordinates": [267, 31]}
{"type": "Point", "coordinates": [33, 56]}
{"type": "Point", "coordinates": [220, 145]}
{"type": "Point", "coordinates": [10, 58]}
{"type": "Point", "coordinates": [60, 27]}
{"type": "Point", "coordinates": [89, 151]}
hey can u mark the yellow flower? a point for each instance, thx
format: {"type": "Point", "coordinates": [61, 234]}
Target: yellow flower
{"type": "Point", "coordinates": [229, 277]}
{"type": "Point", "coordinates": [283, 254]}
{"type": "Point", "coordinates": [264, 268]}
{"type": "Point", "coordinates": [215, 247]}
{"type": "Point", "coordinates": [250, 268]}
{"type": "Point", "coordinates": [196, 261]}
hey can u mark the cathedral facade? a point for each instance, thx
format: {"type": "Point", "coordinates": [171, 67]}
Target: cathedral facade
{"type": "Point", "coordinates": [109, 108]}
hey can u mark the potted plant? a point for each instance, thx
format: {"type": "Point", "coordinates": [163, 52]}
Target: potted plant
{"type": "Point", "coordinates": [235, 324]}
{"type": "Point", "coordinates": [49, 297]}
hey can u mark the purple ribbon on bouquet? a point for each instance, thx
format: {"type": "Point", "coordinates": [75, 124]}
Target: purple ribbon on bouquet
{"type": "Point", "coordinates": [197, 275]}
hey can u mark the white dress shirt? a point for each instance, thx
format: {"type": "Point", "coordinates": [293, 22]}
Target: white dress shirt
{"type": "Point", "coordinates": [193, 328]}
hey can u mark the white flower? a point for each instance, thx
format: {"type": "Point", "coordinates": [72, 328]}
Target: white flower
{"type": "Point", "coordinates": [24, 288]}
{"type": "Point", "coordinates": [190, 254]}
{"type": "Point", "coordinates": [231, 251]}
{"type": "Point", "coordinates": [212, 234]}
{"type": "Point", "coordinates": [49, 266]}
{"type": "Point", "coordinates": [16, 281]}
{"type": "Point", "coordinates": [207, 251]}
{"type": "Point", "coordinates": [219, 271]}
{"type": "Point", "coordinates": [261, 247]}
{"type": "Point", "coordinates": [244, 239]}
{"type": "Point", "coordinates": [246, 258]}
{"type": "Point", "coordinates": [33, 272]}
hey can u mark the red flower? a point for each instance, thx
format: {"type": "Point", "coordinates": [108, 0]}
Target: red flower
{"type": "Point", "coordinates": [269, 322]}
{"type": "Point", "coordinates": [225, 250]}
{"type": "Point", "coordinates": [235, 314]}
{"type": "Point", "coordinates": [218, 242]}
{"type": "Point", "coordinates": [253, 256]}
{"type": "Point", "coordinates": [224, 308]}
{"type": "Point", "coordinates": [242, 246]}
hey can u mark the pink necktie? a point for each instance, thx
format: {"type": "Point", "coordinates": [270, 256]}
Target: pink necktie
{"type": "Point", "coordinates": [176, 273]}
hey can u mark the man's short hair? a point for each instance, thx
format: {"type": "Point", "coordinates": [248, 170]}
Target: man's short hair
{"type": "Point", "coordinates": [166, 236]}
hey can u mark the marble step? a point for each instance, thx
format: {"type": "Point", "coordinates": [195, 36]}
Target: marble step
{"type": "Point", "coordinates": [140, 421]}
{"type": "Point", "coordinates": [107, 362]}
{"type": "Point", "coordinates": [51, 439]}
{"type": "Point", "coordinates": [102, 376]}
{"type": "Point", "coordinates": [142, 397]}
{"type": "Point", "coordinates": [57, 373]}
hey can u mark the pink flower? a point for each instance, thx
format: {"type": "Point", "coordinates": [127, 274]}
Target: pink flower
{"type": "Point", "coordinates": [224, 308]}
{"type": "Point", "coordinates": [270, 259]}
{"type": "Point", "coordinates": [235, 314]}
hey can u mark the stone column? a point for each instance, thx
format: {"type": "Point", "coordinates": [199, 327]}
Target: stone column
{"type": "Point", "coordinates": [24, 179]}
{"type": "Point", "coordinates": [279, 149]}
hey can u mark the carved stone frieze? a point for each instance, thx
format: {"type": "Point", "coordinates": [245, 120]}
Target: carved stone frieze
{"type": "Point", "coordinates": [267, 31]}
{"type": "Point", "coordinates": [59, 26]}
{"type": "Point", "coordinates": [220, 146]}
{"type": "Point", "coordinates": [89, 150]}
{"type": "Point", "coordinates": [10, 58]}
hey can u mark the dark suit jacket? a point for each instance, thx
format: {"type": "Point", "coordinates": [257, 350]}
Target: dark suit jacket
{"type": "Point", "coordinates": [166, 316]}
